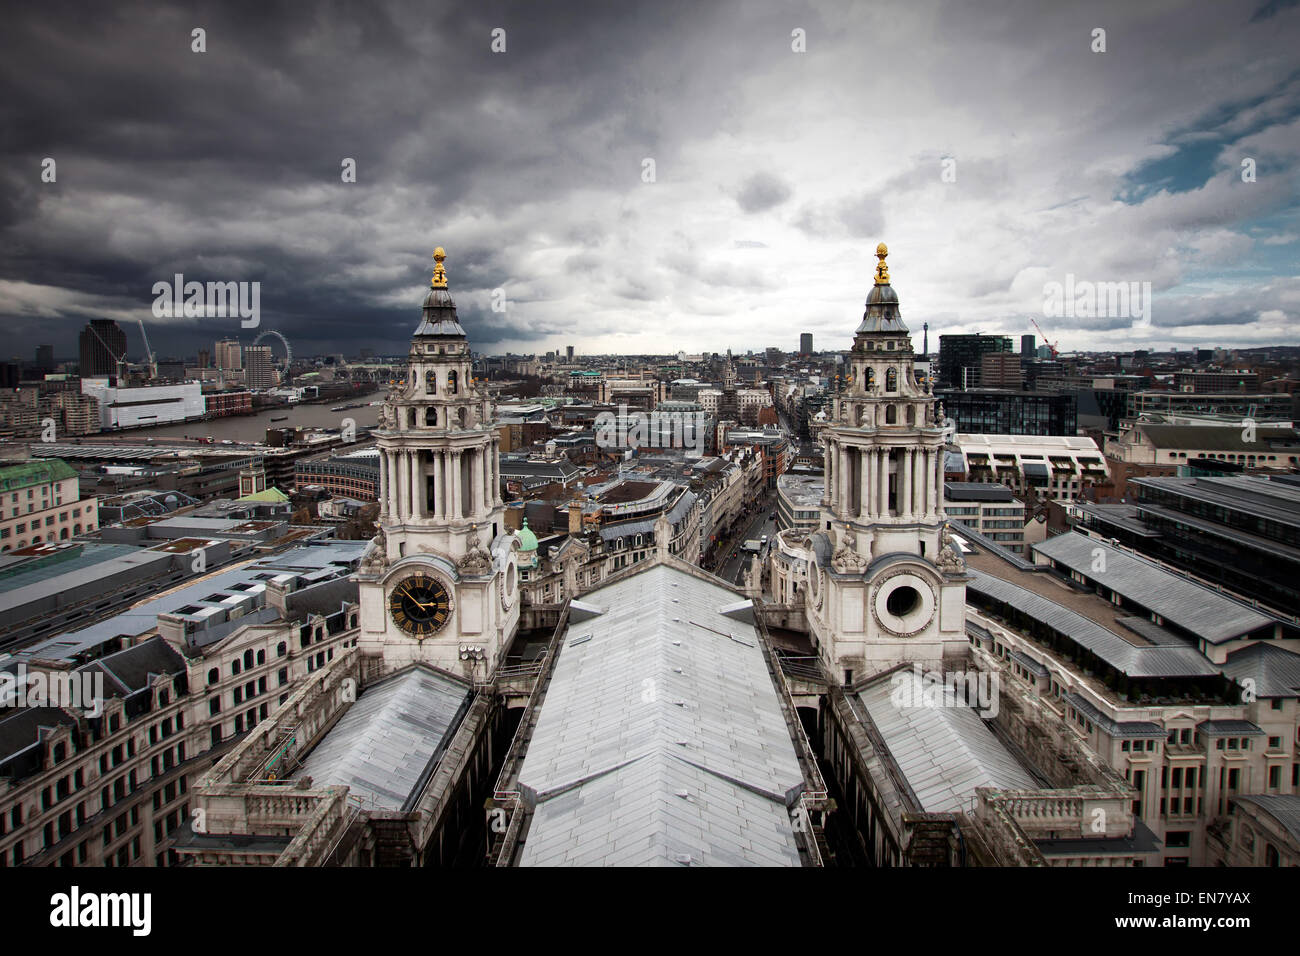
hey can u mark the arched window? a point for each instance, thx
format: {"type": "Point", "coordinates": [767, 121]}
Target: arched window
{"type": "Point", "coordinates": [891, 415]}
{"type": "Point", "coordinates": [911, 414]}
{"type": "Point", "coordinates": [431, 416]}
{"type": "Point", "coordinates": [63, 534]}
{"type": "Point", "coordinates": [869, 382]}
{"type": "Point", "coordinates": [453, 382]}
{"type": "Point", "coordinates": [463, 417]}
{"type": "Point", "coordinates": [431, 382]}
{"type": "Point", "coordinates": [891, 380]}
{"type": "Point", "coordinates": [410, 418]}
{"type": "Point", "coordinates": [281, 649]}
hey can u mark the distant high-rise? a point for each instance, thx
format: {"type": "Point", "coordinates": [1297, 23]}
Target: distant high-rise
{"type": "Point", "coordinates": [258, 370]}
{"type": "Point", "coordinates": [1028, 346]}
{"type": "Point", "coordinates": [103, 346]}
{"type": "Point", "coordinates": [205, 358]}
{"type": "Point", "coordinates": [805, 344]}
{"type": "Point", "coordinates": [960, 357]}
{"type": "Point", "coordinates": [228, 355]}
{"type": "Point", "coordinates": [569, 352]}
{"type": "Point", "coordinates": [45, 358]}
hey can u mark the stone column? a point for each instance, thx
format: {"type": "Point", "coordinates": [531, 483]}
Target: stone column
{"type": "Point", "coordinates": [457, 508]}
{"type": "Point", "coordinates": [399, 484]}
{"type": "Point", "coordinates": [882, 492]}
{"type": "Point", "coordinates": [383, 484]}
{"type": "Point", "coordinates": [905, 484]}
{"type": "Point", "coordinates": [412, 469]}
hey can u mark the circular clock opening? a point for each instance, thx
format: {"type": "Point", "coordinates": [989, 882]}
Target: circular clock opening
{"type": "Point", "coordinates": [903, 600]}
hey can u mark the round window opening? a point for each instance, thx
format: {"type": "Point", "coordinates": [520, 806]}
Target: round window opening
{"type": "Point", "coordinates": [903, 600]}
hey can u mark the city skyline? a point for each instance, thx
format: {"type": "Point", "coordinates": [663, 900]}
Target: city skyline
{"type": "Point", "coordinates": [995, 153]}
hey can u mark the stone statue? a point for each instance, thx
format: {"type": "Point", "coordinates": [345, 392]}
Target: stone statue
{"type": "Point", "coordinates": [476, 560]}
{"type": "Point", "coordinates": [376, 556]}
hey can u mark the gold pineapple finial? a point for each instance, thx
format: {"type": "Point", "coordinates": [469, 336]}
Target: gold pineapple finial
{"type": "Point", "coordinates": [439, 273]}
{"type": "Point", "coordinates": [882, 270]}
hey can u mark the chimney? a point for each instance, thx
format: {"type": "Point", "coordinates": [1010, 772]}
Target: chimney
{"type": "Point", "coordinates": [575, 517]}
{"type": "Point", "coordinates": [514, 516]}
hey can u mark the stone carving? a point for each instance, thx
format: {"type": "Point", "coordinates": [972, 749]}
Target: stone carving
{"type": "Point", "coordinates": [376, 557]}
{"type": "Point", "coordinates": [476, 560]}
{"type": "Point", "coordinates": [949, 560]}
{"type": "Point", "coordinates": [847, 560]}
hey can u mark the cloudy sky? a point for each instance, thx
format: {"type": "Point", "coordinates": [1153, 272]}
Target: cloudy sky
{"type": "Point", "coordinates": [774, 172]}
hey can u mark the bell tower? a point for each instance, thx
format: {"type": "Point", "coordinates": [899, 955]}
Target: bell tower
{"type": "Point", "coordinates": [439, 584]}
{"type": "Point", "coordinates": [885, 583]}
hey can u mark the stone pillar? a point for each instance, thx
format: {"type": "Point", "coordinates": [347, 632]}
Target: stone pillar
{"type": "Point", "coordinates": [457, 507]}
{"type": "Point", "coordinates": [399, 484]}
{"type": "Point", "coordinates": [413, 469]}
{"type": "Point", "coordinates": [383, 484]}
{"type": "Point", "coordinates": [883, 495]}
{"type": "Point", "coordinates": [905, 484]}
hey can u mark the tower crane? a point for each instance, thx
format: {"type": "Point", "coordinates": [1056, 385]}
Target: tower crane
{"type": "Point", "coordinates": [149, 356]}
{"type": "Point", "coordinates": [1046, 341]}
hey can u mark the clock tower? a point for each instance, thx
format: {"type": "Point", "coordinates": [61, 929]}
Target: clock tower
{"type": "Point", "coordinates": [885, 582]}
{"type": "Point", "coordinates": [440, 583]}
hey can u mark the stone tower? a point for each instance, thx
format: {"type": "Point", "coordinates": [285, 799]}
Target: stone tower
{"type": "Point", "coordinates": [885, 584]}
{"type": "Point", "coordinates": [440, 584]}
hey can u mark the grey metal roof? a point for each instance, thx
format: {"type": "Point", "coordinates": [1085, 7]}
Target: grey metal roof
{"type": "Point", "coordinates": [1282, 807]}
{"type": "Point", "coordinates": [1229, 728]}
{"type": "Point", "coordinates": [1189, 605]}
{"type": "Point", "coordinates": [1149, 661]}
{"type": "Point", "coordinates": [1275, 671]}
{"type": "Point", "coordinates": [381, 746]}
{"type": "Point", "coordinates": [976, 491]}
{"type": "Point", "coordinates": [310, 563]}
{"type": "Point", "coordinates": [1116, 728]}
{"type": "Point", "coordinates": [1034, 667]}
{"type": "Point", "coordinates": [661, 739]}
{"type": "Point", "coordinates": [944, 752]}
{"type": "Point", "coordinates": [1256, 495]}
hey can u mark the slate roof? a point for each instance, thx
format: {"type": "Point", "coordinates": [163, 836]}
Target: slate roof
{"type": "Point", "coordinates": [1149, 661]}
{"type": "Point", "coordinates": [1282, 807]}
{"type": "Point", "coordinates": [661, 739]}
{"type": "Point", "coordinates": [382, 745]}
{"type": "Point", "coordinates": [1191, 606]}
{"type": "Point", "coordinates": [1276, 672]}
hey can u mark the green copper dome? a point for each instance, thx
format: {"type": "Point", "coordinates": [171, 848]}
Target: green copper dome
{"type": "Point", "coordinates": [527, 540]}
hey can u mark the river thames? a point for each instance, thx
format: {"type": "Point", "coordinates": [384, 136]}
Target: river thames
{"type": "Point", "coordinates": [252, 428]}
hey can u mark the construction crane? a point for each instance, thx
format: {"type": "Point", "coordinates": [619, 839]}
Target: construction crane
{"type": "Point", "coordinates": [149, 356]}
{"type": "Point", "coordinates": [1046, 341]}
{"type": "Point", "coordinates": [119, 361]}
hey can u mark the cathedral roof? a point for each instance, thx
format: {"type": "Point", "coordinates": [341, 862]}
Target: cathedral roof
{"type": "Point", "coordinates": [439, 315]}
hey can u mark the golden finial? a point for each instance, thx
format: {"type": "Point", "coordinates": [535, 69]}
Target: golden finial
{"type": "Point", "coordinates": [882, 270]}
{"type": "Point", "coordinates": [439, 273]}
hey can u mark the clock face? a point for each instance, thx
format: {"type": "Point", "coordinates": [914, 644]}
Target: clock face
{"type": "Point", "coordinates": [420, 605]}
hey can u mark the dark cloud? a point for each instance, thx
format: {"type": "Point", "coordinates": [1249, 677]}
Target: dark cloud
{"type": "Point", "coordinates": [762, 191]}
{"type": "Point", "coordinates": [527, 165]}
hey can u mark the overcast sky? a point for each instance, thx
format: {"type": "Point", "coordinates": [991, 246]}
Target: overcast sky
{"type": "Point", "coordinates": [776, 172]}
